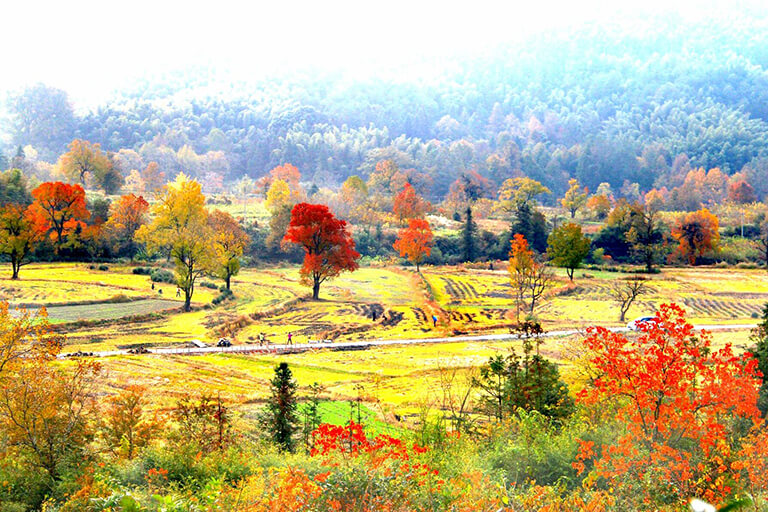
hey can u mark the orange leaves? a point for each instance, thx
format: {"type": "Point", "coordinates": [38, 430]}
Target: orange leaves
{"type": "Point", "coordinates": [408, 204]}
{"type": "Point", "coordinates": [676, 399]}
{"type": "Point", "coordinates": [59, 209]}
{"type": "Point", "coordinates": [415, 242]}
{"type": "Point", "coordinates": [697, 233]}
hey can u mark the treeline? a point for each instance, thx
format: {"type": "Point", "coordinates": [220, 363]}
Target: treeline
{"type": "Point", "coordinates": [588, 104]}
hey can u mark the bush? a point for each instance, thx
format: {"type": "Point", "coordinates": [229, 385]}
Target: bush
{"type": "Point", "coordinates": [208, 284]}
{"type": "Point", "coordinates": [225, 295]}
{"type": "Point", "coordinates": [103, 267]}
{"type": "Point", "coordinates": [159, 275]}
{"type": "Point", "coordinates": [142, 271]}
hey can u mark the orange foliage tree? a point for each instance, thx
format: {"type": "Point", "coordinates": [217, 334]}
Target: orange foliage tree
{"type": "Point", "coordinates": [677, 401]}
{"type": "Point", "coordinates": [697, 233]}
{"type": "Point", "coordinates": [741, 192]}
{"type": "Point", "coordinates": [59, 209]}
{"type": "Point", "coordinates": [17, 235]}
{"type": "Point", "coordinates": [415, 241]}
{"type": "Point", "coordinates": [127, 425]}
{"type": "Point", "coordinates": [129, 213]}
{"type": "Point", "coordinates": [152, 178]}
{"type": "Point", "coordinates": [328, 248]}
{"type": "Point", "coordinates": [408, 204]}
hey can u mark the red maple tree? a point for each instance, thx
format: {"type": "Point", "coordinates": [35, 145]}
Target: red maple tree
{"type": "Point", "coordinates": [328, 248]}
{"type": "Point", "coordinates": [415, 241]}
{"type": "Point", "coordinates": [677, 402]}
{"type": "Point", "coordinates": [59, 209]}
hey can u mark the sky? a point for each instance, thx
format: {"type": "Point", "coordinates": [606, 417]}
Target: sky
{"type": "Point", "coordinates": [91, 48]}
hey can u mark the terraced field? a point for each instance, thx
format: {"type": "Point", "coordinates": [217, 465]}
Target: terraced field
{"type": "Point", "coordinates": [95, 307]}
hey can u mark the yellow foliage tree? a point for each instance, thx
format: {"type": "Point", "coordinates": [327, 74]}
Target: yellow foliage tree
{"type": "Point", "coordinates": [83, 160]}
{"type": "Point", "coordinates": [575, 197]}
{"type": "Point", "coordinates": [229, 242]}
{"type": "Point", "coordinates": [279, 194]}
{"type": "Point", "coordinates": [180, 226]}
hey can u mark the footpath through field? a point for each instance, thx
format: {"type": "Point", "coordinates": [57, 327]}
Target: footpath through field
{"type": "Point", "coordinates": [361, 345]}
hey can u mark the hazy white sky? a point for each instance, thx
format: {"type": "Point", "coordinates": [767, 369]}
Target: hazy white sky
{"type": "Point", "coordinates": [92, 47]}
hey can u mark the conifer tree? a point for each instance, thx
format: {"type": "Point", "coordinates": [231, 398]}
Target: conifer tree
{"type": "Point", "coordinates": [279, 417]}
{"type": "Point", "coordinates": [468, 236]}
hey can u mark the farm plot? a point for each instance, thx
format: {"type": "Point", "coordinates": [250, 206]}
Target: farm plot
{"type": "Point", "coordinates": [39, 292]}
{"type": "Point", "coordinates": [108, 311]}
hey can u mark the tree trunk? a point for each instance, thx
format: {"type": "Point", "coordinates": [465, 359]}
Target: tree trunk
{"type": "Point", "coordinates": [229, 277]}
{"type": "Point", "coordinates": [316, 289]}
{"type": "Point", "coordinates": [15, 266]}
{"type": "Point", "coordinates": [417, 268]}
{"type": "Point", "coordinates": [569, 271]}
{"type": "Point", "coordinates": [187, 299]}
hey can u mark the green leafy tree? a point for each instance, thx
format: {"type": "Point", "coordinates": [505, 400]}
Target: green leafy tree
{"type": "Point", "coordinates": [645, 234]}
{"type": "Point", "coordinates": [529, 383]}
{"type": "Point", "coordinates": [13, 188]}
{"type": "Point", "coordinates": [532, 224]}
{"type": "Point", "coordinates": [568, 247]}
{"type": "Point", "coordinates": [279, 417]}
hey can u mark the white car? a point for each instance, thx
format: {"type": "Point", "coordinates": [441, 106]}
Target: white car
{"type": "Point", "coordinates": [634, 325]}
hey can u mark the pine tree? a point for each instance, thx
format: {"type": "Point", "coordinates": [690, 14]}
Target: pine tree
{"type": "Point", "coordinates": [279, 417]}
{"type": "Point", "coordinates": [468, 236]}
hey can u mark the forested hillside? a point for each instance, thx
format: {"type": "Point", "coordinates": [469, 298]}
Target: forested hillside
{"type": "Point", "coordinates": [602, 104]}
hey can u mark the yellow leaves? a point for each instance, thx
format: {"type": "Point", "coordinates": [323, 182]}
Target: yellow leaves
{"type": "Point", "coordinates": [278, 195]}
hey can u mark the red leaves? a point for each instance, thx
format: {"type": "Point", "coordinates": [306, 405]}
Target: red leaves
{"type": "Point", "coordinates": [676, 398]}
{"type": "Point", "coordinates": [328, 247]}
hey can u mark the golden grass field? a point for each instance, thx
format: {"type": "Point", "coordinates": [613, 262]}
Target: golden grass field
{"type": "Point", "coordinates": [396, 378]}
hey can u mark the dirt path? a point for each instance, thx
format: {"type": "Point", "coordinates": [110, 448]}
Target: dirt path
{"type": "Point", "coordinates": [362, 345]}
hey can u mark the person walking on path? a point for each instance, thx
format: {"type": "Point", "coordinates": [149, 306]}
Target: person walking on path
{"type": "Point", "coordinates": [434, 320]}
{"type": "Point", "coordinates": [290, 338]}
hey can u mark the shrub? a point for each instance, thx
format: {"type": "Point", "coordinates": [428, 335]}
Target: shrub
{"type": "Point", "coordinates": [142, 271]}
{"type": "Point", "coordinates": [159, 275]}
{"type": "Point", "coordinates": [208, 284]}
{"type": "Point", "coordinates": [225, 295]}
{"type": "Point", "coordinates": [104, 267]}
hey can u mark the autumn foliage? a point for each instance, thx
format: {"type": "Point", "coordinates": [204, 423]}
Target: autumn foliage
{"type": "Point", "coordinates": [328, 248]}
{"type": "Point", "coordinates": [676, 401]}
{"type": "Point", "coordinates": [697, 234]}
{"type": "Point", "coordinates": [129, 213]}
{"type": "Point", "coordinates": [415, 241]}
{"type": "Point", "coordinates": [408, 204]}
{"type": "Point", "coordinates": [59, 209]}
{"type": "Point", "coordinates": [18, 236]}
